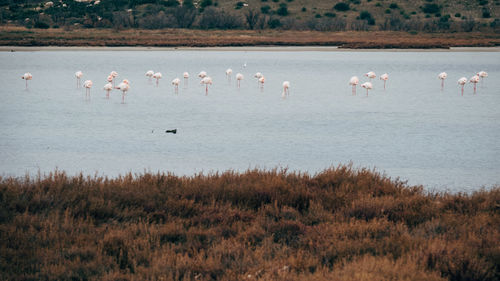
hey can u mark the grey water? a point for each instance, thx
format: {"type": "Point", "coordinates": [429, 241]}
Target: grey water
{"type": "Point", "coordinates": [412, 130]}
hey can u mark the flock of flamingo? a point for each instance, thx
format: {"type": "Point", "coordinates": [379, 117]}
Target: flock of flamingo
{"type": "Point", "coordinates": [124, 86]}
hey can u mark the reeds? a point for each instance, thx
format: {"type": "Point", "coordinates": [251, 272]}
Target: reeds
{"type": "Point", "coordinates": [340, 224]}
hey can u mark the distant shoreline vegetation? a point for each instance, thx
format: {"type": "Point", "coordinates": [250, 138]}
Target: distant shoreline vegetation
{"type": "Point", "coordinates": [347, 15]}
{"type": "Point", "coordinates": [339, 224]}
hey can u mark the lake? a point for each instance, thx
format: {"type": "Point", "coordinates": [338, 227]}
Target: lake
{"type": "Point", "coordinates": [411, 130]}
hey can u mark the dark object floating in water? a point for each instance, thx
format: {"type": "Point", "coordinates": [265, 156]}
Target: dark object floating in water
{"type": "Point", "coordinates": [174, 131]}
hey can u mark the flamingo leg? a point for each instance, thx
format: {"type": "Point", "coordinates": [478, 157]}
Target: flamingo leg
{"type": "Point", "coordinates": [474, 88]}
{"type": "Point", "coordinates": [123, 97]}
{"type": "Point", "coordinates": [442, 84]}
{"type": "Point", "coordinates": [366, 92]}
{"type": "Point", "coordinates": [462, 90]}
{"type": "Point", "coordinates": [384, 84]}
{"type": "Point", "coordinates": [206, 90]}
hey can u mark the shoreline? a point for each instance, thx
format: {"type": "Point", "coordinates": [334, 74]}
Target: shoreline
{"type": "Point", "coordinates": [270, 48]}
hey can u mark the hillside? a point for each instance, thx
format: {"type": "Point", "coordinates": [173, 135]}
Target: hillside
{"type": "Point", "coordinates": [340, 224]}
{"type": "Point", "coordinates": [325, 15]}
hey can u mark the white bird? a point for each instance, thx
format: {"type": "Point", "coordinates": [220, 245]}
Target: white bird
{"type": "Point", "coordinates": [474, 79]}
{"type": "Point", "coordinates": [110, 79]}
{"type": "Point", "coordinates": [108, 87]}
{"type": "Point", "coordinates": [371, 75]}
{"type": "Point", "coordinates": [113, 74]}
{"type": "Point", "coordinates": [442, 76]}
{"type": "Point", "coordinates": [150, 74]}
{"type": "Point", "coordinates": [258, 75]}
{"type": "Point", "coordinates": [462, 81]}
{"type": "Point", "coordinates": [202, 74]}
{"type": "Point", "coordinates": [229, 72]}
{"type": "Point", "coordinates": [176, 83]}
{"type": "Point", "coordinates": [87, 85]}
{"type": "Point", "coordinates": [124, 86]}
{"type": "Point", "coordinates": [186, 77]}
{"type": "Point", "coordinates": [78, 76]}
{"type": "Point", "coordinates": [239, 77]}
{"type": "Point", "coordinates": [27, 76]}
{"type": "Point", "coordinates": [157, 76]}
{"type": "Point", "coordinates": [206, 81]}
{"type": "Point", "coordinates": [384, 77]}
{"type": "Point", "coordinates": [354, 82]}
{"type": "Point", "coordinates": [482, 74]}
{"type": "Point", "coordinates": [286, 89]}
{"type": "Point", "coordinates": [262, 80]}
{"type": "Point", "coordinates": [367, 86]}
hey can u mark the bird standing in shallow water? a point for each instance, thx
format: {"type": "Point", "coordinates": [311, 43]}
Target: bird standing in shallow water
{"type": "Point", "coordinates": [176, 83]}
{"type": "Point", "coordinates": [354, 82]}
{"type": "Point", "coordinates": [371, 75]}
{"type": "Point", "coordinates": [286, 89]}
{"type": "Point", "coordinates": [462, 81]}
{"type": "Point", "coordinates": [474, 80]}
{"type": "Point", "coordinates": [27, 76]}
{"type": "Point", "coordinates": [206, 81]}
{"type": "Point", "coordinates": [367, 86]}
{"type": "Point", "coordinates": [108, 87]}
{"type": "Point", "coordinates": [229, 72]}
{"type": "Point", "coordinates": [78, 76]}
{"type": "Point", "coordinates": [87, 85]}
{"type": "Point", "coordinates": [239, 77]}
{"type": "Point", "coordinates": [157, 76]}
{"type": "Point", "coordinates": [150, 74]}
{"type": "Point", "coordinates": [442, 76]}
{"type": "Point", "coordinates": [384, 77]}
{"type": "Point", "coordinates": [482, 75]}
{"type": "Point", "coordinates": [186, 77]}
{"type": "Point", "coordinates": [124, 86]}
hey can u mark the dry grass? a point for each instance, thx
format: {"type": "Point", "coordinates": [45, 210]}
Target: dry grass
{"type": "Point", "coordinates": [20, 36]}
{"type": "Point", "coordinates": [341, 224]}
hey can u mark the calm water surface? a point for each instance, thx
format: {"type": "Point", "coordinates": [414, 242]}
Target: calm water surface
{"type": "Point", "coordinates": [412, 130]}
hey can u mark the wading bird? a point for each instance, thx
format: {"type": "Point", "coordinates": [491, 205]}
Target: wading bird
{"type": "Point", "coordinates": [262, 80]}
{"type": "Point", "coordinates": [108, 87]}
{"type": "Point", "coordinates": [442, 76]}
{"type": "Point", "coordinates": [257, 76]}
{"type": "Point", "coordinates": [176, 83]}
{"type": "Point", "coordinates": [286, 89]}
{"type": "Point", "coordinates": [150, 74]}
{"type": "Point", "coordinates": [124, 86]}
{"type": "Point", "coordinates": [482, 75]}
{"type": "Point", "coordinates": [206, 81]}
{"type": "Point", "coordinates": [78, 76]}
{"type": "Point", "coordinates": [474, 80]}
{"type": "Point", "coordinates": [113, 74]}
{"type": "Point", "coordinates": [202, 74]}
{"type": "Point", "coordinates": [354, 82]}
{"type": "Point", "coordinates": [229, 72]}
{"type": "Point", "coordinates": [462, 81]}
{"type": "Point", "coordinates": [186, 78]}
{"type": "Point", "coordinates": [371, 75]}
{"type": "Point", "coordinates": [239, 77]}
{"type": "Point", "coordinates": [27, 76]}
{"type": "Point", "coordinates": [87, 85]}
{"type": "Point", "coordinates": [157, 76]}
{"type": "Point", "coordinates": [384, 77]}
{"type": "Point", "coordinates": [367, 86]}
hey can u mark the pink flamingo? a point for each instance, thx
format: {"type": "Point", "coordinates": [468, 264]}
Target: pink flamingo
{"type": "Point", "coordinates": [113, 74]}
{"type": "Point", "coordinates": [124, 86]}
{"type": "Point", "coordinates": [176, 83]}
{"type": "Point", "coordinates": [157, 76]}
{"type": "Point", "coordinates": [108, 87]}
{"type": "Point", "coordinates": [367, 86]}
{"type": "Point", "coordinates": [229, 72]}
{"type": "Point", "coordinates": [27, 76]}
{"type": "Point", "coordinates": [87, 85]}
{"type": "Point", "coordinates": [354, 82]}
{"type": "Point", "coordinates": [206, 81]}
{"type": "Point", "coordinates": [384, 77]}
{"type": "Point", "coordinates": [286, 89]}
{"type": "Point", "coordinates": [257, 76]}
{"type": "Point", "coordinates": [186, 77]}
{"type": "Point", "coordinates": [442, 76]}
{"type": "Point", "coordinates": [150, 74]}
{"type": "Point", "coordinates": [474, 79]}
{"type": "Point", "coordinates": [262, 80]}
{"type": "Point", "coordinates": [462, 81]}
{"type": "Point", "coordinates": [239, 77]}
{"type": "Point", "coordinates": [371, 75]}
{"type": "Point", "coordinates": [482, 74]}
{"type": "Point", "coordinates": [78, 76]}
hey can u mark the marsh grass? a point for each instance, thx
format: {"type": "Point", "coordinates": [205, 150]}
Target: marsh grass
{"type": "Point", "coordinates": [340, 224]}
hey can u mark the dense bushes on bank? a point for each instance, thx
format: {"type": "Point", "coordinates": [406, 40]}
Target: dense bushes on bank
{"type": "Point", "coordinates": [341, 224]}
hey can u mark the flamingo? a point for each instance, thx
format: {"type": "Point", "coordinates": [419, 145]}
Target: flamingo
{"type": "Point", "coordinates": [108, 87]}
{"type": "Point", "coordinates": [367, 86]}
{"type": "Point", "coordinates": [27, 76]}
{"type": "Point", "coordinates": [110, 79]}
{"type": "Point", "coordinates": [202, 74]}
{"type": "Point", "coordinates": [482, 74]}
{"type": "Point", "coordinates": [258, 75]}
{"type": "Point", "coordinates": [442, 76]}
{"type": "Point", "coordinates": [229, 72]}
{"type": "Point", "coordinates": [176, 83]}
{"type": "Point", "coordinates": [286, 89]}
{"type": "Point", "coordinates": [87, 85]}
{"type": "Point", "coordinates": [354, 82]}
{"type": "Point", "coordinates": [262, 80]}
{"type": "Point", "coordinates": [370, 75]}
{"type": "Point", "coordinates": [157, 76]}
{"type": "Point", "coordinates": [186, 77]}
{"type": "Point", "coordinates": [239, 77]}
{"type": "Point", "coordinates": [462, 81]}
{"type": "Point", "coordinates": [124, 86]}
{"type": "Point", "coordinates": [78, 75]}
{"type": "Point", "coordinates": [384, 77]}
{"type": "Point", "coordinates": [474, 79]}
{"type": "Point", "coordinates": [150, 74]}
{"type": "Point", "coordinates": [206, 81]}
{"type": "Point", "coordinates": [113, 74]}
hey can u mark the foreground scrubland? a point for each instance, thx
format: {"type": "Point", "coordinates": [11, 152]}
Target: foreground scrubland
{"type": "Point", "coordinates": [340, 224]}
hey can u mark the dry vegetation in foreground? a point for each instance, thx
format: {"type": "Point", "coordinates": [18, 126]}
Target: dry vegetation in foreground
{"type": "Point", "coordinates": [341, 224]}
{"type": "Point", "coordinates": [20, 36]}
